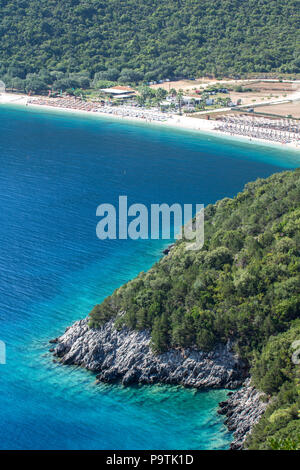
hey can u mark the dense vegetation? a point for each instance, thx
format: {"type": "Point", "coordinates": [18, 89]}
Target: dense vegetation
{"type": "Point", "coordinates": [145, 39]}
{"type": "Point", "coordinates": [243, 286]}
{"type": "Point", "coordinates": [276, 374]}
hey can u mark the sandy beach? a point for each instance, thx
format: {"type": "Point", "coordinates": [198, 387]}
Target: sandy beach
{"type": "Point", "coordinates": [181, 122]}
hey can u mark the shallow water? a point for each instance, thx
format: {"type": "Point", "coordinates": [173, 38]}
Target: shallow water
{"type": "Point", "coordinates": [55, 169]}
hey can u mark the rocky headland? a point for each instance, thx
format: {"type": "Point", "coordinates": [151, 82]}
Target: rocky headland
{"type": "Point", "coordinates": [125, 356]}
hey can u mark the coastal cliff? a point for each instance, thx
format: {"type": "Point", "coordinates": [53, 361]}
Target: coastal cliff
{"type": "Point", "coordinates": [243, 410]}
{"type": "Point", "coordinates": [125, 356]}
{"type": "Point", "coordinates": [197, 318]}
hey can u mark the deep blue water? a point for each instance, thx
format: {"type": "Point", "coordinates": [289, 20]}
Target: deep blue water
{"type": "Point", "coordinates": [55, 170]}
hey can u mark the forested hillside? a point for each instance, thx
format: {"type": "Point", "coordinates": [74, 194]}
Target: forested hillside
{"type": "Point", "coordinates": [243, 286]}
{"type": "Point", "coordinates": [137, 40]}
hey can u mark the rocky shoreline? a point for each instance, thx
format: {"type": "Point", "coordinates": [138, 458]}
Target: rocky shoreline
{"type": "Point", "coordinates": [125, 356]}
{"type": "Point", "coordinates": [243, 410]}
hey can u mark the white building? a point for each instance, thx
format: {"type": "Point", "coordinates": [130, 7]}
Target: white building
{"type": "Point", "coordinates": [119, 92]}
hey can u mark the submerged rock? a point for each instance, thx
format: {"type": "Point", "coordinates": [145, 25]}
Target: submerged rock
{"type": "Point", "coordinates": [53, 341]}
{"type": "Point", "coordinates": [125, 356]}
{"type": "Point", "coordinates": [243, 410]}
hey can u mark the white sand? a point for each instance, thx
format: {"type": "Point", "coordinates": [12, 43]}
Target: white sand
{"type": "Point", "coordinates": [11, 98]}
{"type": "Point", "coordinates": [181, 122]}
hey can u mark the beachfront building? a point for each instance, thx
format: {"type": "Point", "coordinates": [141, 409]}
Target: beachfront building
{"type": "Point", "coordinates": [119, 92]}
{"type": "Point", "coordinates": [192, 100]}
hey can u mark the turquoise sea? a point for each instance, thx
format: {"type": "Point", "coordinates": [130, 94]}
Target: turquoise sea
{"type": "Point", "coordinates": [55, 169]}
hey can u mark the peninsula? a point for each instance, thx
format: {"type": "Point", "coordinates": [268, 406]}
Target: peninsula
{"type": "Point", "coordinates": [215, 317]}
